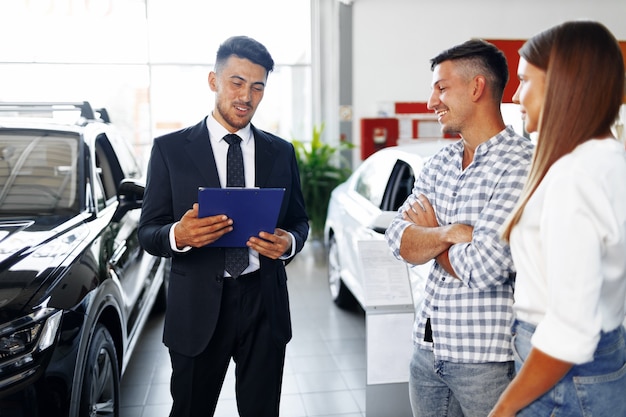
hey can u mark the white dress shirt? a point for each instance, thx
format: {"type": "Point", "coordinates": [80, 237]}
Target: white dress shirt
{"type": "Point", "coordinates": [569, 249]}
{"type": "Point", "coordinates": [220, 149]}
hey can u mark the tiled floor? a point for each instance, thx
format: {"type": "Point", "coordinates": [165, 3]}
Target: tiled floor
{"type": "Point", "coordinates": [324, 368]}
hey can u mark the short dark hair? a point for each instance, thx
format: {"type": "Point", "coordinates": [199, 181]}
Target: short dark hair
{"type": "Point", "coordinates": [247, 48]}
{"type": "Point", "coordinates": [485, 59]}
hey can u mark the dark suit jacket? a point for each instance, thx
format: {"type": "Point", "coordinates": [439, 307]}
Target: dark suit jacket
{"type": "Point", "coordinates": [181, 162]}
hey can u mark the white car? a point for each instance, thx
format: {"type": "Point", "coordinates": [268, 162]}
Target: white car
{"type": "Point", "coordinates": [362, 208]}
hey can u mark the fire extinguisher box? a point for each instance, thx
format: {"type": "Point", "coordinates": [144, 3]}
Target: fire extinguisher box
{"type": "Point", "coordinates": [378, 133]}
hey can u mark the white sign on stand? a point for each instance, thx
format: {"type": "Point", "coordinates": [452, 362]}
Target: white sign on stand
{"type": "Point", "coordinates": [389, 316]}
{"type": "Point", "coordinates": [386, 279]}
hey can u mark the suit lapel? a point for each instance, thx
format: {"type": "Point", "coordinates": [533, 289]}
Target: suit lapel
{"type": "Point", "coordinates": [201, 154]}
{"type": "Point", "coordinates": [263, 152]}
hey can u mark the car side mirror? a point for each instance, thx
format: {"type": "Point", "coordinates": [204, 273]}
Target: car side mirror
{"type": "Point", "coordinates": [129, 196]}
{"type": "Point", "coordinates": [382, 221]}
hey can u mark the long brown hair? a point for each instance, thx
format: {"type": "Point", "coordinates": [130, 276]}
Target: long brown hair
{"type": "Point", "coordinates": [584, 89]}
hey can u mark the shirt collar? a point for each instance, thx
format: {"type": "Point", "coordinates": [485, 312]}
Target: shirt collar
{"type": "Point", "coordinates": [502, 136]}
{"type": "Point", "coordinates": [217, 131]}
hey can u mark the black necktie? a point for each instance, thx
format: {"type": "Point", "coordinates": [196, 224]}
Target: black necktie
{"type": "Point", "coordinates": [236, 259]}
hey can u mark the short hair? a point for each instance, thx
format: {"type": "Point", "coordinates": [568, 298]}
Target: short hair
{"type": "Point", "coordinates": [247, 48]}
{"type": "Point", "coordinates": [482, 58]}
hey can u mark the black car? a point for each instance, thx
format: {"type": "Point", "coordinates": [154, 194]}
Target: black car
{"type": "Point", "coordinates": [75, 286]}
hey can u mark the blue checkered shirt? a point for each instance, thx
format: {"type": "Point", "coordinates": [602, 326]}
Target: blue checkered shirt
{"type": "Point", "coordinates": [470, 317]}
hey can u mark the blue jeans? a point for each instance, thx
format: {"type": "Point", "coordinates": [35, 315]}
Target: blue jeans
{"type": "Point", "coordinates": [448, 389]}
{"type": "Point", "coordinates": [596, 388]}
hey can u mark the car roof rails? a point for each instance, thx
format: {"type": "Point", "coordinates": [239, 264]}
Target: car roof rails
{"type": "Point", "coordinates": [86, 111]}
{"type": "Point", "coordinates": [104, 114]}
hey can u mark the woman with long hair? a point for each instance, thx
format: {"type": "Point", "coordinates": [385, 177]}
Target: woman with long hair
{"type": "Point", "coordinates": [568, 231]}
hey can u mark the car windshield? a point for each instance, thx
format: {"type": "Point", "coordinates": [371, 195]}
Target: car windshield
{"type": "Point", "coordinates": [38, 173]}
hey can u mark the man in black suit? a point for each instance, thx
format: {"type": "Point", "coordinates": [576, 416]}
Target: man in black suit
{"type": "Point", "coordinates": [215, 313]}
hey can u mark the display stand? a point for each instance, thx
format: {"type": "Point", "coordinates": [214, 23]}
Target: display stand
{"type": "Point", "coordinates": [389, 314]}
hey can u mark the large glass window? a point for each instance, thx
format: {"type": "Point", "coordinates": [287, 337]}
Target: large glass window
{"type": "Point", "coordinates": [147, 61]}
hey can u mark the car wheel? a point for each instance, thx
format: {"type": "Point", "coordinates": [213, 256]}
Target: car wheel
{"type": "Point", "coordinates": [339, 293]}
{"type": "Point", "coordinates": [100, 393]}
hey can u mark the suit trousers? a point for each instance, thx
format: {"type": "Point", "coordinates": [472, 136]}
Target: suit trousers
{"type": "Point", "coordinates": [243, 334]}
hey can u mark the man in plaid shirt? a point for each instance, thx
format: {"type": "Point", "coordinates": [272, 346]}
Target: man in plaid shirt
{"type": "Point", "coordinates": [462, 359]}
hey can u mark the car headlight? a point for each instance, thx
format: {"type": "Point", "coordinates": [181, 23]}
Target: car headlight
{"type": "Point", "coordinates": [22, 339]}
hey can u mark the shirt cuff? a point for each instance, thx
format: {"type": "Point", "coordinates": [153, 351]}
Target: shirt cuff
{"type": "Point", "coordinates": [173, 241]}
{"type": "Point", "coordinates": [462, 270]}
{"type": "Point", "coordinates": [292, 253]}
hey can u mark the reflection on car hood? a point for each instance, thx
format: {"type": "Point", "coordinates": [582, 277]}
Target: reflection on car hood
{"type": "Point", "coordinates": [30, 251]}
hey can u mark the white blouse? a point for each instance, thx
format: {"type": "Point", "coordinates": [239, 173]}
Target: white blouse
{"type": "Point", "coordinates": [569, 249]}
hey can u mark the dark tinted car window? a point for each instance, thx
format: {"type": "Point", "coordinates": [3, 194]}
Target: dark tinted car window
{"type": "Point", "coordinates": [114, 162]}
{"type": "Point", "coordinates": [399, 187]}
{"type": "Point", "coordinates": [39, 173]}
{"type": "Point", "coordinates": [125, 156]}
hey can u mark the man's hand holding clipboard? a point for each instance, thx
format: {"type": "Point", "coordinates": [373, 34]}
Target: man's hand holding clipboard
{"type": "Point", "coordinates": [235, 217]}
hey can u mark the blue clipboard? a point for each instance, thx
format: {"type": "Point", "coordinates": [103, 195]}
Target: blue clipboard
{"type": "Point", "coordinates": [253, 210]}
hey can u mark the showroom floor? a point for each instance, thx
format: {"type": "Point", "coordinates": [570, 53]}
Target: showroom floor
{"type": "Point", "coordinates": [324, 368]}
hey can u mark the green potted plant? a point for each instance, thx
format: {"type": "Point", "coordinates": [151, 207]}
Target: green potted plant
{"type": "Point", "coordinates": [322, 168]}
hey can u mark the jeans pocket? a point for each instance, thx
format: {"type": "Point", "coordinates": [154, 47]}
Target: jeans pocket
{"type": "Point", "coordinates": [602, 395]}
{"type": "Point", "coordinates": [521, 346]}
